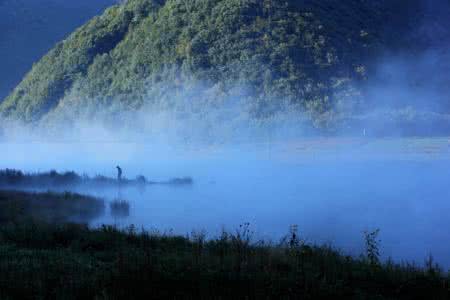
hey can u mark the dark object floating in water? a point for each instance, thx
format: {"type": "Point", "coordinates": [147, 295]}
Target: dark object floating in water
{"type": "Point", "coordinates": [179, 181]}
{"type": "Point", "coordinates": [16, 178]}
{"type": "Point", "coordinates": [141, 180]}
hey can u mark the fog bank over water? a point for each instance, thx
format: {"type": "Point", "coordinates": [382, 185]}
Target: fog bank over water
{"type": "Point", "coordinates": [272, 172]}
{"type": "Point", "coordinates": [333, 188]}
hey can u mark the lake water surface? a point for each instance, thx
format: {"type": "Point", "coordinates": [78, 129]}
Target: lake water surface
{"type": "Point", "coordinates": [333, 189]}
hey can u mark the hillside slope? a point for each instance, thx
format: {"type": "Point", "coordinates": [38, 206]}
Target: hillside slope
{"type": "Point", "coordinates": [309, 54]}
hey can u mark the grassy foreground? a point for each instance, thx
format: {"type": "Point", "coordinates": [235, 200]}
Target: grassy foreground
{"type": "Point", "coordinates": [42, 260]}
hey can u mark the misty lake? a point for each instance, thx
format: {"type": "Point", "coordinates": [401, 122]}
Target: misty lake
{"type": "Point", "coordinates": [333, 189]}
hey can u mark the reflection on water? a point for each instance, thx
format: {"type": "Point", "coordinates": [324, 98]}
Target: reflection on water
{"type": "Point", "coordinates": [332, 190]}
{"type": "Point", "coordinates": [49, 206]}
{"type": "Point", "coordinates": [119, 208]}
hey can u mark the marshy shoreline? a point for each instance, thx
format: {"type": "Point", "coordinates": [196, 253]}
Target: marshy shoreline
{"type": "Point", "coordinates": [16, 179]}
{"type": "Point", "coordinates": [46, 256]}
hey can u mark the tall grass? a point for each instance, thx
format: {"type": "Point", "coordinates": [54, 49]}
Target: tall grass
{"type": "Point", "coordinates": [43, 261]}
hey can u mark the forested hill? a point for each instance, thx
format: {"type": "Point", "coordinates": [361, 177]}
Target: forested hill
{"type": "Point", "coordinates": [314, 55]}
{"type": "Point", "coordinates": [30, 28]}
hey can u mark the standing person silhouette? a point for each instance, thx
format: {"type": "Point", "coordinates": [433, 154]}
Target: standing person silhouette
{"type": "Point", "coordinates": [119, 174]}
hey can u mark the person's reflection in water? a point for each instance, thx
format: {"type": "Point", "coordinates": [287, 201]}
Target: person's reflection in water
{"type": "Point", "coordinates": [120, 208]}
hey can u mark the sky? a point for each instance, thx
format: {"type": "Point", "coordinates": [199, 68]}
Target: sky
{"type": "Point", "coordinates": [29, 28]}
